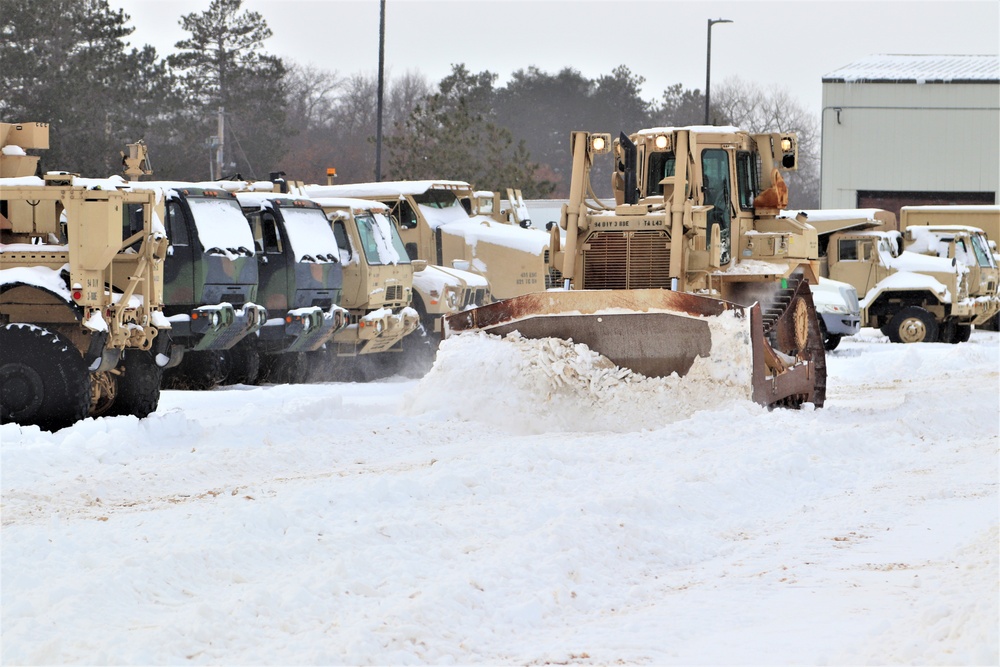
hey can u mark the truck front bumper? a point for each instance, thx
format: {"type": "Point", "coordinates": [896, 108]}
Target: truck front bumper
{"type": "Point", "coordinates": [377, 331]}
{"type": "Point", "coordinates": [841, 324]}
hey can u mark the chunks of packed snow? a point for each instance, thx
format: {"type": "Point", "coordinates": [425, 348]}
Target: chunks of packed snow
{"type": "Point", "coordinates": [558, 385]}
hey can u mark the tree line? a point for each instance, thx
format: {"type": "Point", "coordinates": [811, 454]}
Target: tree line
{"type": "Point", "coordinates": [66, 63]}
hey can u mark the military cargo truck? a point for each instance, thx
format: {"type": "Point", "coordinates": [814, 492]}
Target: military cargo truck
{"type": "Point", "coordinates": [377, 292]}
{"type": "Point", "coordinates": [82, 332]}
{"type": "Point", "coordinates": [210, 286]}
{"type": "Point", "coordinates": [435, 226]}
{"type": "Point", "coordinates": [985, 218]}
{"type": "Point", "coordinates": [300, 281]}
{"type": "Point", "coordinates": [912, 296]}
{"type": "Point", "coordinates": [437, 290]}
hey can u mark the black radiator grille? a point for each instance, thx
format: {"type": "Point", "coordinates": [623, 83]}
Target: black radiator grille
{"type": "Point", "coordinates": [627, 260]}
{"type": "Point", "coordinates": [394, 293]}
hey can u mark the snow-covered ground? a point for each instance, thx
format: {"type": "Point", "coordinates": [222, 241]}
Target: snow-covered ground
{"type": "Point", "coordinates": [518, 505]}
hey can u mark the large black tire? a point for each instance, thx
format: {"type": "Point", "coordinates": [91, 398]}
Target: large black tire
{"type": "Point", "coordinates": [43, 379]}
{"type": "Point", "coordinates": [198, 370]}
{"type": "Point", "coordinates": [419, 350]}
{"type": "Point", "coordinates": [830, 341]}
{"type": "Point", "coordinates": [284, 368]}
{"type": "Point", "coordinates": [954, 333]}
{"type": "Point", "coordinates": [139, 380]}
{"type": "Point", "coordinates": [242, 362]}
{"type": "Point", "coordinates": [913, 324]}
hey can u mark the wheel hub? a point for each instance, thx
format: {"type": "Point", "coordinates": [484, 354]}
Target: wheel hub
{"type": "Point", "coordinates": [912, 330]}
{"type": "Point", "coordinates": [21, 390]}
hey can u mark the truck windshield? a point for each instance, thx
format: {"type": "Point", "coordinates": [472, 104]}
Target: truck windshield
{"type": "Point", "coordinates": [982, 249]}
{"type": "Point", "coordinates": [222, 227]}
{"type": "Point", "coordinates": [380, 240]}
{"type": "Point", "coordinates": [310, 235]}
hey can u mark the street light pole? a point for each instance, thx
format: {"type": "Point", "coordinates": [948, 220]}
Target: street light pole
{"type": "Point", "coordinates": [381, 83]}
{"type": "Point", "coordinates": [708, 64]}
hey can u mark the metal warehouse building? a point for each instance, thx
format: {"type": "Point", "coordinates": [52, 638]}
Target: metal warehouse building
{"type": "Point", "coordinates": [900, 130]}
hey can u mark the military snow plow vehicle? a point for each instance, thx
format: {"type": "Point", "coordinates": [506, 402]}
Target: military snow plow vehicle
{"type": "Point", "coordinates": [82, 332]}
{"type": "Point", "coordinates": [692, 241]}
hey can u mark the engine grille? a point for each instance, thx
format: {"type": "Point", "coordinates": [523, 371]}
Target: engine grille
{"type": "Point", "coordinates": [627, 260]}
{"type": "Point", "coordinates": [394, 292]}
{"type": "Point", "coordinates": [475, 297]}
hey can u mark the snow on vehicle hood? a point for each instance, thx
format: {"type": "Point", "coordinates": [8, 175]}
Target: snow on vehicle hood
{"type": "Point", "coordinates": [906, 280]}
{"type": "Point", "coordinates": [481, 228]}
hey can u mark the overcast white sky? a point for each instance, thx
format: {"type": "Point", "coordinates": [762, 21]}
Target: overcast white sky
{"type": "Point", "coordinates": [791, 44]}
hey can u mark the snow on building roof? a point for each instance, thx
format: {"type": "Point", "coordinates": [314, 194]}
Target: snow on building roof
{"type": "Point", "coordinates": [919, 69]}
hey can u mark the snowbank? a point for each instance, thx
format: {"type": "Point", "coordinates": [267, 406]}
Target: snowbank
{"type": "Point", "coordinates": [393, 523]}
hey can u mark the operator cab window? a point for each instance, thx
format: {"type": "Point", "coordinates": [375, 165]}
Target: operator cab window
{"type": "Point", "coordinates": [848, 250]}
{"type": "Point", "coordinates": [177, 231]}
{"type": "Point", "coordinates": [746, 179]}
{"type": "Point", "coordinates": [855, 250]}
{"type": "Point", "coordinates": [661, 165]}
{"type": "Point", "coordinates": [406, 215]}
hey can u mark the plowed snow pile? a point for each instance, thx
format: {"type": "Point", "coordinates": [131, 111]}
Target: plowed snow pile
{"type": "Point", "coordinates": [557, 385]}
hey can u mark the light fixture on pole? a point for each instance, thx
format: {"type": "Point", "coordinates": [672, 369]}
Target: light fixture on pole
{"type": "Point", "coordinates": [708, 63]}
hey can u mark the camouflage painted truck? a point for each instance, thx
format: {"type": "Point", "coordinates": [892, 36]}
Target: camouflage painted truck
{"type": "Point", "coordinates": [210, 281]}
{"type": "Point", "coordinates": [913, 294]}
{"type": "Point", "coordinates": [82, 332]}
{"type": "Point", "coordinates": [435, 226]}
{"type": "Point", "coordinates": [437, 290]}
{"type": "Point", "coordinates": [300, 281]}
{"type": "Point", "coordinates": [691, 249]}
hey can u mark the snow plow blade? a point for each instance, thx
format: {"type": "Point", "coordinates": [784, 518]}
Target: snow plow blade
{"type": "Point", "coordinates": [660, 332]}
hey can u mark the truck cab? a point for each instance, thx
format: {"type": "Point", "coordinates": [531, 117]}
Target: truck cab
{"type": "Point", "coordinates": [300, 280]}
{"type": "Point", "coordinates": [914, 296]}
{"type": "Point", "coordinates": [378, 278]}
{"type": "Point", "coordinates": [210, 284]}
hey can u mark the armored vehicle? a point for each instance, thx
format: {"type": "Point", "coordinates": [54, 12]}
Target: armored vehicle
{"type": "Point", "coordinates": [82, 332]}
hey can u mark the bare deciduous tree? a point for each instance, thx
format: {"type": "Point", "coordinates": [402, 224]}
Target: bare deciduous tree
{"type": "Point", "coordinates": [756, 108]}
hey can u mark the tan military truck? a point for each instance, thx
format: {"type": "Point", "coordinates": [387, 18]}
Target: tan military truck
{"type": "Point", "coordinates": [437, 290]}
{"type": "Point", "coordinates": [437, 227]}
{"type": "Point", "coordinates": [377, 289]}
{"type": "Point", "coordinates": [910, 295]}
{"type": "Point", "coordinates": [81, 325]}
{"type": "Point", "coordinates": [985, 218]}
